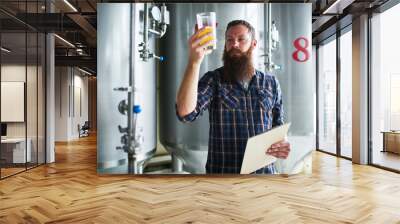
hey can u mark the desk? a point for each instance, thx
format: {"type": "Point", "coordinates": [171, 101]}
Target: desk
{"type": "Point", "coordinates": [13, 150]}
{"type": "Point", "coordinates": [391, 141]}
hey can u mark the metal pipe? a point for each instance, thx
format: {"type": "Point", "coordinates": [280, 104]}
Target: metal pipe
{"type": "Point", "coordinates": [159, 33]}
{"type": "Point", "coordinates": [131, 94]}
{"type": "Point", "coordinates": [132, 164]}
{"type": "Point", "coordinates": [145, 31]}
{"type": "Point", "coordinates": [266, 55]}
{"type": "Point", "coordinates": [269, 38]}
{"type": "Point", "coordinates": [177, 164]}
{"type": "Point", "coordinates": [155, 32]}
{"type": "Point", "coordinates": [145, 23]}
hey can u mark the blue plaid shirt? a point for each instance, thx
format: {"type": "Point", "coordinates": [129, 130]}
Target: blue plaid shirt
{"type": "Point", "coordinates": [236, 114]}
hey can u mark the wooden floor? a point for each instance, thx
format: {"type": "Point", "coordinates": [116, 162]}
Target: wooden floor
{"type": "Point", "coordinates": [5, 172]}
{"type": "Point", "coordinates": [10, 171]}
{"type": "Point", "coordinates": [70, 191]}
{"type": "Point", "coordinates": [387, 159]}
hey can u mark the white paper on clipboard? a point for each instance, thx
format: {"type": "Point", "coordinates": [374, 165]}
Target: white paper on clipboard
{"type": "Point", "coordinates": [254, 156]}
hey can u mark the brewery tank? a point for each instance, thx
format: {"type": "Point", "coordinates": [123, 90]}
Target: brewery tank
{"type": "Point", "coordinates": [188, 142]}
{"type": "Point", "coordinates": [297, 78]}
{"type": "Point", "coordinates": [113, 65]}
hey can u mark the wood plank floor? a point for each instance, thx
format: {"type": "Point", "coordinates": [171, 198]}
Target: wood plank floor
{"type": "Point", "coordinates": [10, 171]}
{"type": "Point", "coordinates": [387, 159]}
{"type": "Point", "coordinates": [70, 191]}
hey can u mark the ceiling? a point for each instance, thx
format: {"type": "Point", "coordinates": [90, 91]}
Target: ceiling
{"type": "Point", "coordinates": [332, 15]}
{"type": "Point", "coordinates": [76, 24]}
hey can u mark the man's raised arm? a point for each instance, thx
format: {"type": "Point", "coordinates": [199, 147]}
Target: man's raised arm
{"type": "Point", "coordinates": [187, 94]}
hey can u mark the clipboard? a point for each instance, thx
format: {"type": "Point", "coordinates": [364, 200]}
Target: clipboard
{"type": "Point", "coordinates": [254, 156]}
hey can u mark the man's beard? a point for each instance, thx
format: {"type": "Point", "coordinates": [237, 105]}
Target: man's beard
{"type": "Point", "coordinates": [238, 66]}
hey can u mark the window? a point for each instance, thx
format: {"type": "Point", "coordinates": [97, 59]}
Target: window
{"type": "Point", "coordinates": [346, 94]}
{"type": "Point", "coordinates": [327, 96]}
{"type": "Point", "coordinates": [22, 78]}
{"type": "Point", "coordinates": [385, 89]}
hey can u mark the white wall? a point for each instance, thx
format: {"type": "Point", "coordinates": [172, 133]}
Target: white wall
{"type": "Point", "coordinates": [33, 126]}
{"type": "Point", "coordinates": [16, 73]}
{"type": "Point", "coordinates": [61, 103]}
{"type": "Point", "coordinates": [71, 94]}
{"type": "Point", "coordinates": [79, 117]}
{"type": "Point", "coordinates": [12, 73]}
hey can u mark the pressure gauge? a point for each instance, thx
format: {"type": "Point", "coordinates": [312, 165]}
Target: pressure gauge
{"type": "Point", "coordinates": [155, 13]}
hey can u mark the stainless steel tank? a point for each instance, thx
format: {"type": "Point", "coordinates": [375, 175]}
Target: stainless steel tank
{"type": "Point", "coordinates": [113, 63]}
{"type": "Point", "coordinates": [189, 142]}
{"type": "Point", "coordinates": [297, 78]}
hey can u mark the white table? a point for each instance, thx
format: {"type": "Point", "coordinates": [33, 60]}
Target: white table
{"type": "Point", "coordinates": [18, 149]}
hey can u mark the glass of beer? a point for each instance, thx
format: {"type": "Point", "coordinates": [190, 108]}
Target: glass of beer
{"type": "Point", "coordinates": [208, 19]}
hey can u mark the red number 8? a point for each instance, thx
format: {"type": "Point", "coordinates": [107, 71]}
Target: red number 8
{"type": "Point", "coordinates": [299, 48]}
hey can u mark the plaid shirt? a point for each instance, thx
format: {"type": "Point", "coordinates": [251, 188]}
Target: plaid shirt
{"type": "Point", "coordinates": [236, 114]}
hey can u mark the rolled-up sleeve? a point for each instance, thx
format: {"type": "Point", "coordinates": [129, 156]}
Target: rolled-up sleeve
{"type": "Point", "coordinates": [277, 111]}
{"type": "Point", "coordinates": [205, 92]}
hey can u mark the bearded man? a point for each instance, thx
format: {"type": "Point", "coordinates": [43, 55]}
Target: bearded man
{"type": "Point", "coordinates": [242, 101]}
